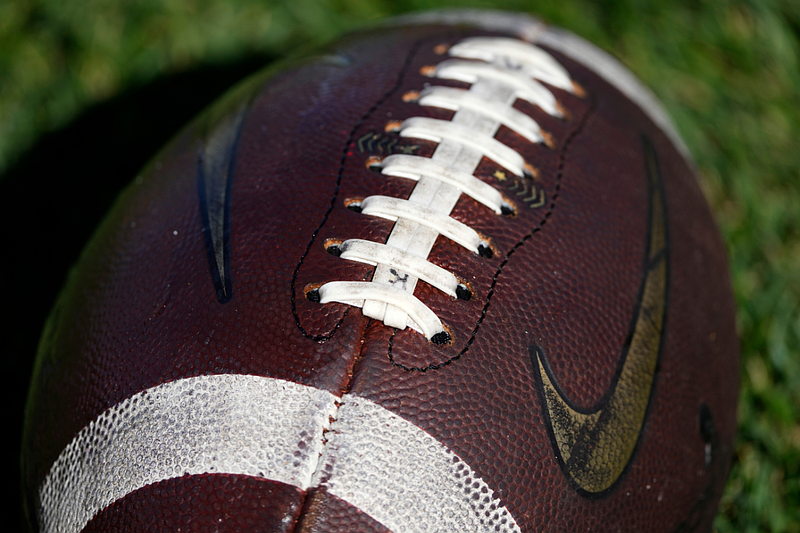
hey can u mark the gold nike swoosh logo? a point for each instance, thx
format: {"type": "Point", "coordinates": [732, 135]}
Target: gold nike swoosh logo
{"type": "Point", "coordinates": [595, 445]}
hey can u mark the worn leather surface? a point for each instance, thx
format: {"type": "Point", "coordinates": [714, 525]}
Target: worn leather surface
{"type": "Point", "coordinates": [141, 309]}
{"type": "Point", "coordinates": [204, 503]}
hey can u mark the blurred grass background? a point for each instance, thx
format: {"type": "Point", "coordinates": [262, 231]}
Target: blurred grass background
{"type": "Point", "coordinates": [89, 89]}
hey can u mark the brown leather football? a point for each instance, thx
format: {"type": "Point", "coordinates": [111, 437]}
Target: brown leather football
{"type": "Point", "coordinates": [453, 274]}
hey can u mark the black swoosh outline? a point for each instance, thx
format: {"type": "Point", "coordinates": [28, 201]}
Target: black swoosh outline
{"type": "Point", "coordinates": [588, 437]}
{"type": "Point", "coordinates": [218, 130]}
{"type": "Point", "coordinates": [216, 165]}
{"type": "Point", "coordinates": [213, 184]}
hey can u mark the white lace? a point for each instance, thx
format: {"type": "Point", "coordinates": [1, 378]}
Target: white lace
{"type": "Point", "coordinates": [455, 99]}
{"type": "Point", "coordinates": [500, 71]}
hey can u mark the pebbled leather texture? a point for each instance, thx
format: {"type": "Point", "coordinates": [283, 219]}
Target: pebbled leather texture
{"type": "Point", "coordinates": [142, 308]}
{"type": "Point", "coordinates": [204, 503]}
{"type": "Point", "coordinates": [325, 512]}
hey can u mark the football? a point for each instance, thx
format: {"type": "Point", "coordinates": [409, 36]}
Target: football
{"type": "Point", "coordinates": [452, 273]}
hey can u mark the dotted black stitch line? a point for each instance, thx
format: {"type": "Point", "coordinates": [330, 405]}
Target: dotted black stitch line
{"type": "Point", "coordinates": [401, 76]}
{"type": "Point", "coordinates": [562, 160]}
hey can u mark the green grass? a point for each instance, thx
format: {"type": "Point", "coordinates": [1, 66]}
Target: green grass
{"type": "Point", "coordinates": [728, 73]}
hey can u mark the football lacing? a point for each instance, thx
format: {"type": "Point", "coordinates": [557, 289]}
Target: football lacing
{"type": "Point", "coordinates": [499, 70]}
{"type": "Point", "coordinates": [454, 99]}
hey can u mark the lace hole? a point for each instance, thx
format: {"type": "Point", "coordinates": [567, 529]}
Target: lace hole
{"type": "Point", "coordinates": [531, 172]}
{"type": "Point", "coordinates": [393, 126]}
{"type": "Point", "coordinates": [353, 204]}
{"type": "Point", "coordinates": [333, 247]}
{"type": "Point", "coordinates": [428, 70]}
{"type": "Point", "coordinates": [374, 163]}
{"type": "Point", "coordinates": [411, 96]}
{"type": "Point", "coordinates": [441, 338]}
{"type": "Point", "coordinates": [313, 296]}
{"type": "Point", "coordinates": [463, 292]}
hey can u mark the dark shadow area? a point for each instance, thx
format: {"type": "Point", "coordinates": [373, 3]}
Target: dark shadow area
{"type": "Point", "coordinates": [57, 193]}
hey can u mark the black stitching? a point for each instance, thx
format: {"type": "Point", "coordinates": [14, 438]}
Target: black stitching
{"type": "Point", "coordinates": [401, 76]}
{"type": "Point", "coordinates": [562, 160]}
